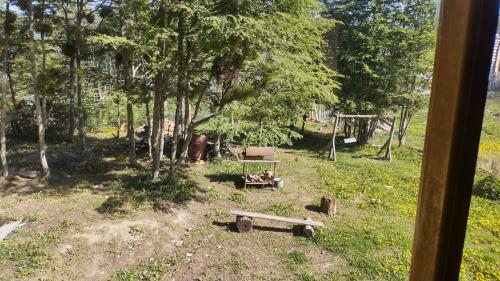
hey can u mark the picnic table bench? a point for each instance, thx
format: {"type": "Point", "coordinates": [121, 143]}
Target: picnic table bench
{"type": "Point", "coordinates": [244, 221]}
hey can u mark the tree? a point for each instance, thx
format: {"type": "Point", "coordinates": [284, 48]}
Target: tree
{"type": "Point", "coordinates": [380, 47]}
{"type": "Point", "coordinates": [38, 102]}
{"type": "Point", "coordinates": [3, 117]}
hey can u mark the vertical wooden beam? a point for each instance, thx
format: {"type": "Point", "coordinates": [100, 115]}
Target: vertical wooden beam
{"type": "Point", "coordinates": [333, 152]}
{"type": "Point", "coordinates": [388, 153]}
{"type": "Point", "coordinates": [463, 56]}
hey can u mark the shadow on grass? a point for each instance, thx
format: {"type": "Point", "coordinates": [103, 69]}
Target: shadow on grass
{"type": "Point", "coordinates": [234, 179]}
{"type": "Point", "coordinates": [105, 170]}
{"type": "Point", "coordinates": [296, 230]}
{"type": "Point", "coordinates": [313, 208]}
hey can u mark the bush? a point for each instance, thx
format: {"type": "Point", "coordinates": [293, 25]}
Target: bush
{"type": "Point", "coordinates": [488, 187]}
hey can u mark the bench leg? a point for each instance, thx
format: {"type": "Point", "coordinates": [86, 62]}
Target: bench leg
{"type": "Point", "coordinates": [308, 231]}
{"type": "Point", "coordinates": [243, 224]}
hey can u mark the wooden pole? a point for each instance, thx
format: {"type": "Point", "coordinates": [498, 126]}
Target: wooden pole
{"type": "Point", "coordinates": [463, 57]}
{"type": "Point", "coordinates": [388, 153]}
{"type": "Point", "coordinates": [333, 153]}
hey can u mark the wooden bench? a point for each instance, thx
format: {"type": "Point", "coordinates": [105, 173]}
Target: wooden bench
{"type": "Point", "coordinates": [244, 221]}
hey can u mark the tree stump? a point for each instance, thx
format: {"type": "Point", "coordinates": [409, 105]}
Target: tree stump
{"type": "Point", "coordinates": [308, 230]}
{"type": "Point", "coordinates": [328, 205]}
{"type": "Point", "coordinates": [243, 224]}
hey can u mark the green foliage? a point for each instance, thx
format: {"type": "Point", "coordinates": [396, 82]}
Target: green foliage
{"type": "Point", "coordinates": [384, 50]}
{"type": "Point", "coordinates": [32, 251]}
{"type": "Point", "coordinates": [297, 257]}
{"type": "Point", "coordinates": [238, 197]}
{"type": "Point", "coordinates": [141, 192]}
{"type": "Point", "coordinates": [281, 209]}
{"type": "Point", "coordinates": [488, 187]}
{"type": "Point", "coordinates": [153, 270]}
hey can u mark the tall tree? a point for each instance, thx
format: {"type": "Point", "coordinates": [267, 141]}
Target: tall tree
{"type": "Point", "coordinates": [375, 51]}
{"type": "Point", "coordinates": [38, 102]}
{"type": "Point", "coordinates": [3, 117]}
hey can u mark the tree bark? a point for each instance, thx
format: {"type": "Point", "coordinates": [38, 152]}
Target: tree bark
{"type": "Point", "coordinates": [3, 117]}
{"type": "Point", "coordinates": [38, 105]}
{"type": "Point", "coordinates": [130, 133]}
{"type": "Point", "coordinates": [217, 146]}
{"type": "Point", "coordinates": [16, 128]}
{"type": "Point", "coordinates": [44, 61]}
{"type": "Point", "coordinates": [148, 129]}
{"type": "Point", "coordinates": [71, 128]}
{"type": "Point", "coordinates": [3, 101]}
{"type": "Point", "coordinates": [404, 121]}
{"type": "Point", "coordinates": [127, 75]}
{"type": "Point", "coordinates": [118, 118]}
{"type": "Point", "coordinates": [81, 113]}
{"type": "Point", "coordinates": [181, 70]}
{"type": "Point", "coordinates": [156, 136]}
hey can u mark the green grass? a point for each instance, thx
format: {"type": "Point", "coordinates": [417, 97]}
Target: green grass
{"type": "Point", "coordinates": [281, 209]}
{"type": "Point", "coordinates": [152, 270]}
{"type": "Point", "coordinates": [32, 249]}
{"type": "Point", "coordinates": [377, 201]}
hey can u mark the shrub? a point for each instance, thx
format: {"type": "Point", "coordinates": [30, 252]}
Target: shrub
{"type": "Point", "coordinates": [488, 187]}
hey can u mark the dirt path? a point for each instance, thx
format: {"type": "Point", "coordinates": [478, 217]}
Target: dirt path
{"type": "Point", "coordinates": [96, 219]}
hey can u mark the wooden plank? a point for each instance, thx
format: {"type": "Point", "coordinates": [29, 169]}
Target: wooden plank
{"type": "Point", "coordinates": [463, 56]}
{"type": "Point", "coordinates": [357, 116]}
{"type": "Point", "coordinates": [333, 152]}
{"type": "Point", "coordinates": [388, 154]}
{"type": "Point", "coordinates": [258, 183]}
{"type": "Point", "coordinates": [259, 161]}
{"type": "Point", "coordinates": [6, 229]}
{"type": "Point", "coordinates": [276, 218]}
{"type": "Point", "coordinates": [349, 140]}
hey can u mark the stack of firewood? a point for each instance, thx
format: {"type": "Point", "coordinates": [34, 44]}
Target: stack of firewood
{"type": "Point", "coordinates": [263, 178]}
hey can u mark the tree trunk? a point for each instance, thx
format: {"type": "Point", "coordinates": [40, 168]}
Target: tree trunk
{"type": "Point", "coordinates": [162, 126]}
{"type": "Point", "coordinates": [148, 130]}
{"type": "Point", "coordinates": [404, 121]}
{"type": "Point", "coordinates": [38, 105]}
{"type": "Point", "coordinates": [18, 131]}
{"type": "Point", "coordinates": [130, 133]}
{"type": "Point", "coordinates": [79, 94]}
{"type": "Point", "coordinates": [44, 61]}
{"type": "Point", "coordinates": [3, 101]}
{"type": "Point", "coordinates": [16, 128]}
{"type": "Point", "coordinates": [118, 119]}
{"type": "Point", "coordinates": [217, 146]}
{"type": "Point", "coordinates": [181, 71]}
{"type": "Point", "coordinates": [3, 117]}
{"type": "Point", "coordinates": [71, 128]}
{"type": "Point", "coordinates": [363, 128]}
{"type": "Point", "coordinates": [127, 75]}
{"type": "Point", "coordinates": [156, 136]}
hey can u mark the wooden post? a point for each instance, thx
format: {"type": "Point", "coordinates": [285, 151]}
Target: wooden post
{"type": "Point", "coordinates": [459, 87]}
{"type": "Point", "coordinates": [328, 205]}
{"type": "Point", "coordinates": [388, 153]}
{"type": "Point", "coordinates": [245, 174]}
{"type": "Point", "coordinates": [333, 153]}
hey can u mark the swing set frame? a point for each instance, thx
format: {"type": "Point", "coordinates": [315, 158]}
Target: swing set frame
{"type": "Point", "coordinates": [391, 121]}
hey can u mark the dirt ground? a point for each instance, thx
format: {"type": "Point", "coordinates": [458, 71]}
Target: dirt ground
{"type": "Point", "coordinates": [71, 234]}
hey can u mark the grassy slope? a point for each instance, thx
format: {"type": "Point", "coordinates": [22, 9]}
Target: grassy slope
{"type": "Point", "coordinates": [369, 239]}
{"type": "Point", "coordinates": [373, 230]}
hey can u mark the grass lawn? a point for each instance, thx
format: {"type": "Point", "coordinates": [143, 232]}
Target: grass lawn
{"type": "Point", "coordinates": [102, 220]}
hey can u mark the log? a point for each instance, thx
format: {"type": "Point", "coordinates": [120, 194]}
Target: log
{"type": "Point", "coordinates": [329, 205]}
{"type": "Point", "coordinates": [243, 224]}
{"type": "Point", "coordinates": [308, 230]}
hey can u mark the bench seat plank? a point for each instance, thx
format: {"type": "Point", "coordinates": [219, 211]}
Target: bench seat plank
{"type": "Point", "coordinates": [276, 218]}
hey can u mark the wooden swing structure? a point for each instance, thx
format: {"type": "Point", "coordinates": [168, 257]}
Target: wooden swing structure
{"type": "Point", "coordinates": [391, 121]}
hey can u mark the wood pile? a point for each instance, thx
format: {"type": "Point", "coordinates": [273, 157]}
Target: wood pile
{"type": "Point", "coordinates": [265, 177]}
